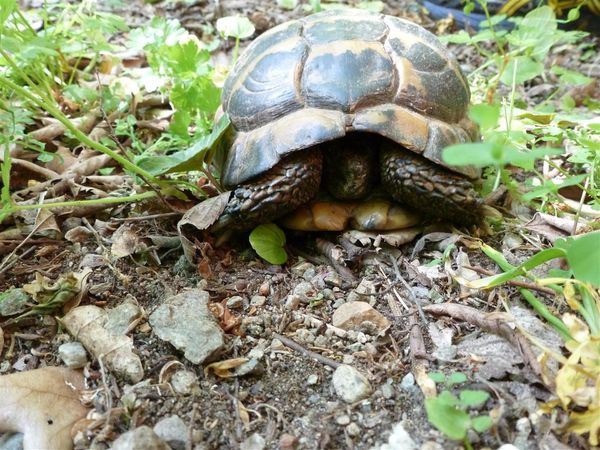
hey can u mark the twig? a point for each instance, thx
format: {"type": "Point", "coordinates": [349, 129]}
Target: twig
{"type": "Point", "coordinates": [328, 250]}
{"type": "Point", "coordinates": [491, 324]}
{"type": "Point", "coordinates": [148, 217]}
{"type": "Point", "coordinates": [5, 261]}
{"type": "Point", "coordinates": [32, 167]}
{"type": "Point", "coordinates": [300, 349]}
{"type": "Point", "coordinates": [418, 352]}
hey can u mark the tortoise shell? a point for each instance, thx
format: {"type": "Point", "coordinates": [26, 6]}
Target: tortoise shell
{"type": "Point", "coordinates": [313, 80]}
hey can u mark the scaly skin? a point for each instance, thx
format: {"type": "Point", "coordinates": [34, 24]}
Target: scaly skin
{"type": "Point", "coordinates": [291, 183]}
{"type": "Point", "coordinates": [349, 170]}
{"type": "Point", "coordinates": [435, 191]}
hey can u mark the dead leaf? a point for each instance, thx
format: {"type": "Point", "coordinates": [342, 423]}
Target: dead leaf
{"type": "Point", "coordinates": [87, 325]}
{"type": "Point", "coordinates": [374, 238]}
{"type": "Point", "coordinates": [43, 404]}
{"type": "Point", "coordinates": [222, 369]}
{"type": "Point", "coordinates": [125, 242]}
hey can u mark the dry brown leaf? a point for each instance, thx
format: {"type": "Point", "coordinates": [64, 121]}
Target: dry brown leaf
{"type": "Point", "coordinates": [125, 242]}
{"type": "Point", "coordinates": [86, 324]}
{"type": "Point", "coordinates": [222, 369]}
{"type": "Point", "coordinates": [374, 238]}
{"type": "Point", "coordinates": [43, 404]}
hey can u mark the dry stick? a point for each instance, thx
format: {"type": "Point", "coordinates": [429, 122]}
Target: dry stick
{"type": "Point", "coordinates": [5, 261]}
{"type": "Point", "coordinates": [148, 217]}
{"type": "Point", "coordinates": [517, 283]}
{"type": "Point", "coordinates": [327, 249]}
{"type": "Point", "coordinates": [32, 167]}
{"type": "Point", "coordinates": [300, 349]}
{"type": "Point", "coordinates": [491, 325]}
{"type": "Point", "coordinates": [8, 264]}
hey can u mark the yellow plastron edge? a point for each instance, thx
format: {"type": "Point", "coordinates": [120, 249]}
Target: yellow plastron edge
{"type": "Point", "coordinates": [512, 6]}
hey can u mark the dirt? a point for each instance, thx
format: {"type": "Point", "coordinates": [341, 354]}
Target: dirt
{"type": "Point", "coordinates": [289, 400]}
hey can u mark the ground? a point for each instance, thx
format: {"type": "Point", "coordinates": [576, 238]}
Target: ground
{"type": "Point", "coordinates": [288, 399]}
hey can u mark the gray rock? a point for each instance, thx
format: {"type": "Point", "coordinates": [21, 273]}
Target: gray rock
{"type": "Point", "coordinates": [350, 384]}
{"type": "Point", "coordinates": [254, 442]}
{"type": "Point", "coordinates": [353, 429]}
{"type": "Point", "coordinates": [302, 267]}
{"type": "Point", "coordinates": [120, 317]}
{"type": "Point", "coordinates": [305, 291]}
{"type": "Point", "coordinates": [13, 301]}
{"type": "Point", "coordinates": [351, 316]}
{"type": "Point", "coordinates": [185, 321]}
{"type": "Point", "coordinates": [312, 379]}
{"type": "Point", "coordinates": [408, 381]}
{"type": "Point", "coordinates": [142, 438]}
{"type": "Point", "coordinates": [235, 302]}
{"type": "Point", "coordinates": [185, 382]}
{"type": "Point", "coordinates": [343, 419]}
{"type": "Point", "coordinates": [332, 279]}
{"type": "Point", "coordinates": [399, 440]}
{"type": "Point", "coordinates": [73, 354]}
{"type": "Point", "coordinates": [258, 300]}
{"type": "Point", "coordinates": [11, 441]}
{"type": "Point", "coordinates": [173, 431]}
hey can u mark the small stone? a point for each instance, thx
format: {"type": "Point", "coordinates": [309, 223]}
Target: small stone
{"type": "Point", "coordinates": [332, 279]}
{"type": "Point", "coordinates": [366, 288]}
{"type": "Point", "coordinates": [399, 440]}
{"type": "Point", "coordinates": [11, 441]}
{"type": "Point", "coordinates": [387, 391]}
{"type": "Point", "coordinates": [73, 354]}
{"type": "Point", "coordinates": [173, 431]}
{"type": "Point", "coordinates": [120, 317]}
{"type": "Point", "coordinates": [408, 381]}
{"type": "Point", "coordinates": [92, 260]}
{"type": "Point", "coordinates": [328, 294]}
{"type": "Point", "coordinates": [312, 379]}
{"type": "Point", "coordinates": [343, 420]}
{"type": "Point", "coordinates": [186, 322]}
{"type": "Point", "coordinates": [305, 291]}
{"type": "Point", "coordinates": [350, 316]}
{"type": "Point", "coordinates": [142, 438]}
{"type": "Point", "coordinates": [235, 302]}
{"type": "Point", "coordinates": [348, 359]}
{"type": "Point", "coordinates": [309, 274]}
{"type": "Point", "coordinates": [321, 341]}
{"type": "Point", "coordinates": [301, 267]}
{"type": "Point", "coordinates": [265, 289]}
{"type": "Point", "coordinates": [288, 442]}
{"type": "Point", "coordinates": [277, 345]}
{"type": "Point", "coordinates": [185, 382]}
{"type": "Point", "coordinates": [431, 445]}
{"type": "Point", "coordinates": [353, 429]}
{"type": "Point", "coordinates": [350, 384]}
{"type": "Point", "coordinates": [258, 300]}
{"type": "Point", "coordinates": [254, 442]}
{"type": "Point", "coordinates": [292, 303]}
{"type": "Point", "coordinates": [371, 349]}
{"type": "Point", "coordinates": [13, 301]}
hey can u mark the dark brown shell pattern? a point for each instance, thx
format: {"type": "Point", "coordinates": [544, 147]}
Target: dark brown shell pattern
{"type": "Point", "coordinates": [313, 80]}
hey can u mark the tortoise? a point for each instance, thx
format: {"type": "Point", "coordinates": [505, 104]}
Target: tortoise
{"type": "Point", "coordinates": [346, 101]}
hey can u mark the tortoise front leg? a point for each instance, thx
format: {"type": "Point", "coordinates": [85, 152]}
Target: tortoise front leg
{"type": "Point", "coordinates": [437, 192]}
{"type": "Point", "coordinates": [291, 183]}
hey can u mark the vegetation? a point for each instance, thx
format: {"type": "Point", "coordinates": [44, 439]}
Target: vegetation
{"type": "Point", "coordinates": [57, 70]}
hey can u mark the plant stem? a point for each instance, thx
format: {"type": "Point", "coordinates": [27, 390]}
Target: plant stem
{"type": "Point", "coordinates": [54, 111]}
{"type": "Point", "coordinates": [96, 201]}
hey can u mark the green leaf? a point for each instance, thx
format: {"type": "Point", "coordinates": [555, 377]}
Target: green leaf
{"type": "Point", "coordinates": [486, 116]}
{"type": "Point", "coordinates": [473, 399]}
{"type": "Point", "coordinates": [456, 378]}
{"type": "Point", "coordinates": [450, 420]}
{"type": "Point", "coordinates": [482, 154]}
{"type": "Point", "coordinates": [287, 4]}
{"type": "Point", "coordinates": [374, 6]}
{"type": "Point", "coordinates": [521, 68]}
{"type": "Point", "coordinates": [571, 77]}
{"type": "Point", "coordinates": [437, 377]}
{"type": "Point", "coordinates": [583, 255]}
{"type": "Point", "coordinates": [550, 187]}
{"type": "Point", "coordinates": [6, 9]}
{"type": "Point", "coordinates": [267, 241]}
{"type": "Point", "coordinates": [481, 423]}
{"type": "Point", "coordinates": [573, 15]}
{"type": "Point", "coordinates": [235, 27]}
{"type": "Point", "coordinates": [188, 159]}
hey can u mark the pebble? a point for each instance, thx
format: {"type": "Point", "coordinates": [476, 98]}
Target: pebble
{"type": "Point", "coordinates": [305, 291]}
{"type": "Point", "coordinates": [265, 289]}
{"type": "Point", "coordinates": [328, 294]}
{"type": "Point", "coordinates": [185, 382]}
{"type": "Point", "coordinates": [292, 303]}
{"type": "Point", "coordinates": [350, 384]}
{"type": "Point", "coordinates": [332, 279]}
{"type": "Point", "coordinates": [301, 267]}
{"type": "Point", "coordinates": [321, 341]}
{"type": "Point", "coordinates": [11, 441]}
{"type": "Point", "coordinates": [173, 431]}
{"type": "Point", "coordinates": [408, 381]}
{"type": "Point", "coordinates": [348, 359]}
{"type": "Point", "coordinates": [73, 354]}
{"type": "Point", "coordinates": [258, 300]}
{"type": "Point", "coordinates": [288, 442]}
{"type": "Point", "coordinates": [367, 288]}
{"type": "Point", "coordinates": [312, 379]}
{"type": "Point", "coordinates": [350, 316]}
{"type": "Point", "coordinates": [343, 420]}
{"type": "Point", "coordinates": [235, 302]}
{"type": "Point", "coordinates": [309, 273]}
{"type": "Point", "coordinates": [254, 442]}
{"type": "Point", "coordinates": [370, 348]}
{"type": "Point", "coordinates": [142, 438]}
{"type": "Point", "coordinates": [387, 391]}
{"type": "Point", "coordinates": [14, 301]}
{"type": "Point", "coordinates": [399, 440]}
{"type": "Point", "coordinates": [353, 429]}
{"type": "Point", "coordinates": [186, 322]}
{"type": "Point", "coordinates": [120, 317]}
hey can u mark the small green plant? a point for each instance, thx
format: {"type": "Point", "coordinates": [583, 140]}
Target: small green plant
{"type": "Point", "coordinates": [235, 27]}
{"type": "Point", "coordinates": [455, 415]}
{"type": "Point", "coordinates": [268, 242]}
